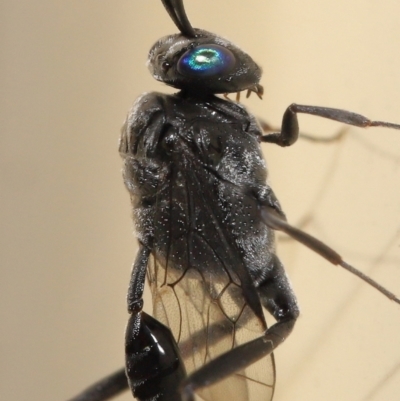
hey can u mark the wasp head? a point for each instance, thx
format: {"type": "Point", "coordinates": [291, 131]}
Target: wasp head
{"type": "Point", "coordinates": [197, 61]}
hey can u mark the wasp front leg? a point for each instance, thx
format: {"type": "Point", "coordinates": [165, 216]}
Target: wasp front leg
{"type": "Point", "coordinates": [153, 365]}
{"type": "Point", "coordinates": [290, 126]}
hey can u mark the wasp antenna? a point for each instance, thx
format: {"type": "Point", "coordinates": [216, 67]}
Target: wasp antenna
{"type": "Point", "coordinates": [177, 12]}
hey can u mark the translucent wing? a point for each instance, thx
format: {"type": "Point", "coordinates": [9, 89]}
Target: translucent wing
{"type": "Point", "coordinates": [198, 290]}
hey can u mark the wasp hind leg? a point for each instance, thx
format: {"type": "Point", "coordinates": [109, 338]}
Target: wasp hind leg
{"type": "Point", "coordinates": [153, 364]}
{"type": "Point", "coordinates": [278, 298]}
{"type": "Point", "coordinates": [106, 388]}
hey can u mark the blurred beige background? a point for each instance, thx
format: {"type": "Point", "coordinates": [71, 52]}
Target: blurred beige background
{"type": "Point", "coordinates": [69, 72]}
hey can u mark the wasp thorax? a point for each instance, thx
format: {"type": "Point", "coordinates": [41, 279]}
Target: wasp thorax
{"type": "Point", "coordinates": [206, 63]}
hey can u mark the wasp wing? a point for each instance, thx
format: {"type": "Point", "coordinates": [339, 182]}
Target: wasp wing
{"type": "Point", "coordinates": [198, 284]}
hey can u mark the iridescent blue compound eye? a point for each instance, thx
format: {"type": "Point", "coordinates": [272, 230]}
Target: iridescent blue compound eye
{"type": "Point", "coordinates": [206, 60]}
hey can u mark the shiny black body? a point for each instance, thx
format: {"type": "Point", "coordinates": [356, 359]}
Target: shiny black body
{"type": "Point", "coordinates": [194, 167]}
{"type": "Point", "coordinates": [197, 179]}
{"type": "Point", "coordinates": [205, 219]}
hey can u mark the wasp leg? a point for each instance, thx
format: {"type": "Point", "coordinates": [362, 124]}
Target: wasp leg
{"type": "Point", "coordinates": [153, 363]}
{"type": "Point", "coordinates": [273, 220]}
{"type": "Point", "coordinates": [277, 296]}
{"type": "Point", "coordinates": [105, 388]}
{"type": "Point", "coordinates": [290, 126]}
{"type": "Point", "coordinates": [336, 137]}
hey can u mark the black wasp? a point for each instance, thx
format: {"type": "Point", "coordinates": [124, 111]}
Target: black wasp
{"type": "Point", "coordinates": [205, 219]}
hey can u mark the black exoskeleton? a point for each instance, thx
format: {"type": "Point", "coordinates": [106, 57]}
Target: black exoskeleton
{"type": "Point", "coordinates": [197, 178]}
